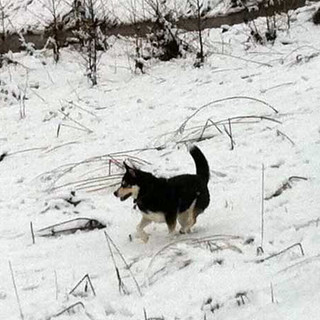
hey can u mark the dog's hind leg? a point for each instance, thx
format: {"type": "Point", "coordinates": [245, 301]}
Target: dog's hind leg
{"type": "Point", "coordinates": [141, 234]}
{"type": "Point", "coordinates": [184, 221]}
{"type": "Point", "coordinates": [187, 218]}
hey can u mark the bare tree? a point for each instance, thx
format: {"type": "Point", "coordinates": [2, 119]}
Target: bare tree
{"type": "Point", "coordinates": [90, 35]}
{"type": "Point", "coordinates": [163, 38]}
{"type": "Point", "coordinates": [53, 27]}
{"type": "Point", "coordinates": [3, 18]}
{"type": "Point", "coordinates": [198, 9]}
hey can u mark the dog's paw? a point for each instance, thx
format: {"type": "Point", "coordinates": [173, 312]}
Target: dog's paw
{"type": "Point", "coordinates": [184, 231]}
{"type": "Point", "coordinates": [142, 236]}
{"type": "Point", "coordinates": [173, 235]}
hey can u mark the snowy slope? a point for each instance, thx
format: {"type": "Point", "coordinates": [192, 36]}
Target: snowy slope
{"type": "Point", "coordinates": [219, 276]}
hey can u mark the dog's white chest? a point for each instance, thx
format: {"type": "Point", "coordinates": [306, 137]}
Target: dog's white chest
{"type": "Point", "coordinates": [157, 217]}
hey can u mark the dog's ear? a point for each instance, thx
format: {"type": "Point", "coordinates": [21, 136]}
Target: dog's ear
{"type": "Point", "coordinates": [130, 170]}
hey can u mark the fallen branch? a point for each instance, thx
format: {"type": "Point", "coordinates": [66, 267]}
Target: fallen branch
{"type": "Point", "coordinates": [286, 185]}
{"type": "Point", "coordinates": [70, 226]}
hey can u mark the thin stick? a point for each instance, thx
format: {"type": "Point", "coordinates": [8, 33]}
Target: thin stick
{"type": "Point", "coordinates": [101, 188]}
{"type": "Point", "coordinates": [56, 284]}
{"type": "Point", "coordinates": [81, 108]}
{"type": "Point", "coordinates": [262, 206]}
{"type": "Point", "coordinates": [58, 130]}
{"type": "Point", "coordinates": [215, 237]}
{"type": "Point", "coordinates": [229, 134]}
{"type": "Point", "coordinates": [73, 127]}
{"type": "Point", "coordinates": [16, 290]}
{"type": "Point", "coordinates": [272, 292]}
{"type": "Point", "coordinates": [32, 233]}
{"type": "Point", "coordinates": [79, 303]}
{"type": "Point", "coordinates": [86, 277]}
{"type": "Point", "coordinates": [110, 164]}
{"type": "Point", "coordinates": [124, 261]}
{"type": "Point", "coordinates": [61, 145]}
{"type": "Point", "coordinates": [283, 251]}
{"type": "Point", "coordinates": [300, 263]}
{"type": "Point", "coordinates": [182, 126]}
{"type": "Point", "coordinates": [284, 135]}
{"type": "Point", "coordinates": [27, 150]}
{"type": "Point", "coordinates": [243, 59]}
{"type": "Point", "coordinates": [285, 185]}
{"type": "Point", "coordinates": [89, 182]}
{"type": "Point", "coordinates": [76, 122]}
{"type": "Point", "coordinates": [121, 285]}
{"type": "Point", "coordinates": [230, 131]}
{"type": "Point", "coordinates": [206, 126]}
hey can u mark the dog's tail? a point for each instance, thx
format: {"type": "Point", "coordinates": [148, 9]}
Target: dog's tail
{"type": "Point", "coordinates": [201, 163]}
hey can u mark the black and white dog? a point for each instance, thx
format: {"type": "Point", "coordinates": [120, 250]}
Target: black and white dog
{"type": "Point", "coordinates": [181, 198]}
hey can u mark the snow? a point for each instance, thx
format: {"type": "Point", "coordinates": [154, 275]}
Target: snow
{"type": "Point", "coordinates": [179, 277]}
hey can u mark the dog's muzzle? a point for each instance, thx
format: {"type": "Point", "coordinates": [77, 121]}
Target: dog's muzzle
{"type": "Point", "coordinates": [124, 197]}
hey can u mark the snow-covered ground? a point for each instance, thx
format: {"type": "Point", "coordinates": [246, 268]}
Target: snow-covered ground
{"type": "Point", "coordinates": [219, 275]}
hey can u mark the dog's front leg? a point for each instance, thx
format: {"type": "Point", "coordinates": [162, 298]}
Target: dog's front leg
{"type": "Point", "coordinates": [141, 234]}
{"type": "Point", "coordinates": [171, 221]}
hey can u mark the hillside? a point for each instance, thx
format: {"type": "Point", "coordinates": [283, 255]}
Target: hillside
{"type": "Point", "coordinates": [60, 135]}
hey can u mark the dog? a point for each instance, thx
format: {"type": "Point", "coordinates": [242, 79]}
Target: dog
{"type": "Point", "coordinates": [181, 197]}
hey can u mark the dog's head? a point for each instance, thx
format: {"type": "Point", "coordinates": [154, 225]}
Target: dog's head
{"type": "Point", "coordinates": [129, 184]}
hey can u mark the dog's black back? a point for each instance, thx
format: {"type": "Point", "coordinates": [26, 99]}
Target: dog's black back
{"type": "Point", "coordinates": [176, 194]}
